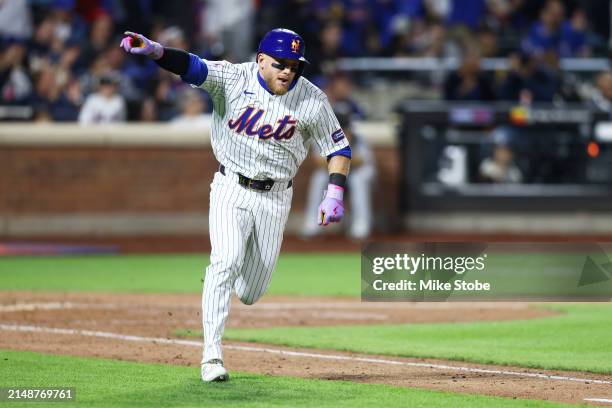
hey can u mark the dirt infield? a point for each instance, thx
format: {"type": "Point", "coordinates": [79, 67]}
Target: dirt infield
{"type": "Point", "coordinates": [93, 325]}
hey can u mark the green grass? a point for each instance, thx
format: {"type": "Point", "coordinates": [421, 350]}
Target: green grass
{"type": "Point", "coordinates": [108, 383]}
{"type": "Point", "coordinates": [296, 274]}
{"type": "Point", "coordinates": [579, 339]}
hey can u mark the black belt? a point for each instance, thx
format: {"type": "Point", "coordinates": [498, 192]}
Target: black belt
{"type": "Point", "coordinates": [261, 185]}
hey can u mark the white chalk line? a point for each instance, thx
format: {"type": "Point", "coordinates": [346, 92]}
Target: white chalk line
{"type": "Point", "coordinates": [25, 307]}
{"type": "Point", "coordinates": [386, 305]}
{"type": "Point", "coordinates": [609, 401]}
{"type": "Point", "coordinates": [39, 306]}
{"type": "Point", "coordinates": [156, 340]}
{"type": "Point", "coordinates": [277, 306]}
{"type": "Point", "coordinates": [28, 307]}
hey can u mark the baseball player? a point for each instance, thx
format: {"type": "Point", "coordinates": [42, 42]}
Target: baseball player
{"type": "Point", "coordinates": [265, 116]}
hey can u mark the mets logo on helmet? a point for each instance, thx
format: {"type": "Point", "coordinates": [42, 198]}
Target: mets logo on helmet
{"type": "Point", "coordinates": [295, 45]}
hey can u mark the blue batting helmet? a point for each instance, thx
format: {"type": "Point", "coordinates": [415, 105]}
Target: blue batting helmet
{"type": "Point", "coordinates": [283, 43]}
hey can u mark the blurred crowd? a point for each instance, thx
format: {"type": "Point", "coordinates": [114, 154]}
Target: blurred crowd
{"type": "Point", "coordinates": [62, 56]}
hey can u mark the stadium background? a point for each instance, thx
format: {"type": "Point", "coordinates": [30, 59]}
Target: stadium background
{"type": "Point", "coordinates": [379, 57]}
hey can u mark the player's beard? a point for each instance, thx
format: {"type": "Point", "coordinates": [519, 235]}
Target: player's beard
{"type": "Point", "coordinates": [277, 88]}
{"type": "Point", "coordinates": [280, 91]}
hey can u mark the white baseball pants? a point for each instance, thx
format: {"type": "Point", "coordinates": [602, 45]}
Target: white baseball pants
{"type": "Point", "coordinates": [246, 232]}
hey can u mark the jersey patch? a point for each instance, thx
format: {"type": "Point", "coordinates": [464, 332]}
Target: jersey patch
{"type": "Point", "coordinates": [337, 136]}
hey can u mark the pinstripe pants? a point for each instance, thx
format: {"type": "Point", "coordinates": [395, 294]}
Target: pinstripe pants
{"type": "Point", "coordinates": [246, 232]}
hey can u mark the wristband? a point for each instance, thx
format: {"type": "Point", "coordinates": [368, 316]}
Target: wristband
{"type": "Point", "coordinates": [337, 179]}
{"type": "Point", "coordinates": [174, 60]}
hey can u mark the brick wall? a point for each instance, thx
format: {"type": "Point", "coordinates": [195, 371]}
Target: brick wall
{"type": "Point", "coordinates": [51, 180]}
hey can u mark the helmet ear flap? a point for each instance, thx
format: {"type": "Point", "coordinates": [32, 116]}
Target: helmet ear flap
{"type": "Point", "coordinates": [300, 71]}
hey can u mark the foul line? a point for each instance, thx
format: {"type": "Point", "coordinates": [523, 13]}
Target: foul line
{"type": "Point", "coordinates": [157, 340]}
{"type": "Point", "coordinates": [609, 401]}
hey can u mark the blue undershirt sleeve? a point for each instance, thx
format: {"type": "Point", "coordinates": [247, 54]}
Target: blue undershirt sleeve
{"type": "Point", "coordinates": [196, 72]}
{"type": "Point", "coordinates": [346, 152]}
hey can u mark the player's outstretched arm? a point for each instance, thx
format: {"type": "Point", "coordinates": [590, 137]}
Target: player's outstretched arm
{"type": "Point", "coordinates": [171, 59]}
{"type": "Point", "coordinates": [332, 206]}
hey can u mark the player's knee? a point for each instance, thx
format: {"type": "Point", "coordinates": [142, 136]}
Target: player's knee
{"type": "Point", "coordinates": [247, 301]}
{"type": "Point", "coordinates": [249, 298]}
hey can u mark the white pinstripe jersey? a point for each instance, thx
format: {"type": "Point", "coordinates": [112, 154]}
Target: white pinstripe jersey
{"type": "Point", "coordinates": [265, 136]}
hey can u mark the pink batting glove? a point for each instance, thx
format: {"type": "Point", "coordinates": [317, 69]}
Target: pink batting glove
{"type": "Point", "coordinates": [332, 206]}
{"type": "Point", "coordinates": [141, 45]}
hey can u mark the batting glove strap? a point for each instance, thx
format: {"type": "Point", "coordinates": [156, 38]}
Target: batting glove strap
{"type": "Point", "coordinates": [334, 191]}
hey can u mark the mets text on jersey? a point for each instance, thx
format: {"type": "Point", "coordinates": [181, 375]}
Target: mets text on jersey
{"type": "Point", "coordinates": [248, 121]}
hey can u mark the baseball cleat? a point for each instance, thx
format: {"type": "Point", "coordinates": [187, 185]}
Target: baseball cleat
{"type": "Point", "coordinates": [213, 370]}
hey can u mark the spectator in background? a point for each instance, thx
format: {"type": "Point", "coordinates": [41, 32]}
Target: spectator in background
{"type": "Point", "coordinates": [545, 34]}
{"type": "Point", "coordinates": [527, 81]}
{"type": "Point", "coordinates": [193, 108]}
{"type": "Point", "coordinates": [553, 33]}
{"type": "Point", "coordinates": [363, 170]}
{"type": "Point", "coordinates": [15, 84]}
{"type": "Point", "coordinates": [148, 111]}
{"type": "Point", "coordinates": [468, 83]}
{"type": "Point", "coordinates": [69, 26]}
{"type": "Point", "coordinates": [126, 73]}
{"type": "Point", "coordinates": [466, 13]}
{"type": "Point", "coordinates": [355, 26]}
{"type": "Point", "coordinates": [500, 167]}
{"type": "Point", "coordinates": [604, 85]}
{"type": "Point", "coordinates": [48, 86]}
{"type": "Point", "coordinates": [437, 11]}
{"type": "Point", "coordinates": [166, 93]}
{"type": "Point", "coordinates": [66, 108]}
{"type": "Point", "coordinates": [229, 25]}
{"type": "Point", "coordinates": [15, 20]}
{"type": "Point", "coordinates": [104, 106]}
{"type": "Point", "coordinates": [385, 13]}
{"type": "Point", "coordinates": [100, 36]}
{"type": "Point", "coordinates": [92, 10]}
{"type": "Point", "coordinates": [173, 37]}
{"type": "Point", "coordinates": [487, 42]}
{"type": "Point", "coordinates": [41, 44]}
{"type": "Point", "coordinates": [323, 57]}
{"type": "Point", "coordinates": [339, 90]}
{"type": "Point", "coordinates": [574, 36]}
{"type": "Point", "coordinates": [503, 13]}
{"type": "Point", "coordinates": [57, 93]}
{"type": "Point", "coordinates": [42, 115]}
{"type": "Point", "coordinates": [433, 41]}
{"type": "Point", "coordinates": [73, 42]}
{"type": "Point", "coordinates": [601, 96]}
{"type": "Point", "coordinates": [418, 30]}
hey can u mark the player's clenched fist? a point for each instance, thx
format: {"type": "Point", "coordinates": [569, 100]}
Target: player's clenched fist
{"type": "Point", "coordinates": [141, 45]}
{"type": "Point", "coordinates": [332, 206]}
